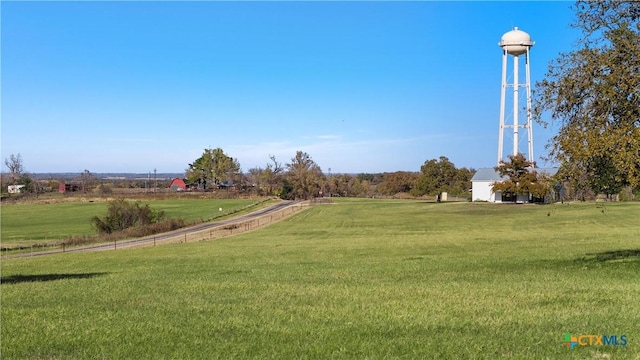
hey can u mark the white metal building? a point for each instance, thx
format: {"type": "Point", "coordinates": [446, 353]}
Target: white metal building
{"type": "Point", "coordinates": [481, 183]}
{"type": "Point", "coordinates": [484, 178]}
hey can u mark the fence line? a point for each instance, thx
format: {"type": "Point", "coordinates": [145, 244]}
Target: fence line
{"type": "Point", "coordinates": [232, 228]}
{"type": "Point", "coordinates": [242, 226]}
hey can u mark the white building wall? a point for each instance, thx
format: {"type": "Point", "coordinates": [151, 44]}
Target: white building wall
{"type": "Point", "coordinates": [481, 191]}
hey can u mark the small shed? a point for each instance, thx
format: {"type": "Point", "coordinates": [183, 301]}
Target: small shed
{"type": "Point", "coordinates": [178, 184]}
{"type": "Point", "coordinates": [481, 183]}
{"type": "Point", "coordinates": [62, 187]}
{"type": "Point", "coordinates": [484, 178]}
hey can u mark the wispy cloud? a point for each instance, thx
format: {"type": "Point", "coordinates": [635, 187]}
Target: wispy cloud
{"type": "Point", "coordinates": [130, 140]}
{"type": "Point", "coordinates": [328, 137]}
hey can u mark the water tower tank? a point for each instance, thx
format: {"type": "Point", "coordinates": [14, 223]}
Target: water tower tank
{"type": "Point", "coordinates": [516, 42]}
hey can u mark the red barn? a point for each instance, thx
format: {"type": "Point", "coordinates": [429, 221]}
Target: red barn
{"type": "Point", "coordinates": [178, 184]}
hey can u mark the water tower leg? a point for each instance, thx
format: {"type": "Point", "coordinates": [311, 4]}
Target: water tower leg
{"type": "Point", "coordinates": [502, 105]}
{"type": "Point", "coordinates": [529, 115]}
{"type": "Point", "coordinates": [515, 105]}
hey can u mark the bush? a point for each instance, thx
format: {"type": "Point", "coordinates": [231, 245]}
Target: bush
{"type": "Point", "coordinates": [155, 228]}
{"type": "Point", "coordinates": [105, 189]}
{"type": "Point", "coordinates": [626, 194]}
{"type": "Point", "coordinates": [122, 215]}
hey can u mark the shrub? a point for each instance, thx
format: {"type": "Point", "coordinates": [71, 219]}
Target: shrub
{"type": "Point", "coordinates": [122, 215]}
{"type": "Point", "coordinates": [626, 194]}
{"type": "Point", "coordinates": [105, 189]}
{"type": "Point", "coordinates": [155, 228]}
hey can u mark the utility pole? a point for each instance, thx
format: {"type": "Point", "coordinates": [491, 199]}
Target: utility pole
{"type": "Point", "coordinates": [327, 184]}
{"type": "Point", "coordinates": [155, 181]}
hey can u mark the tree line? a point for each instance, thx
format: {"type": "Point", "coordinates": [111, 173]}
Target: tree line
{"type": "Point", "coordinates": [302, 178]}
{"type": "Point", "coordinates": [299, 178]}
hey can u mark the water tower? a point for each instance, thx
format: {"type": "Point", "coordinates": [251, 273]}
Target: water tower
{"type": "Point", "coordinates": [515, 43]}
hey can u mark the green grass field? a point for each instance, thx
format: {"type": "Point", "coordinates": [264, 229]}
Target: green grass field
{"type": "Point", "coordinates": [353, 279]}
{"type": "Point", "coordinates": [57, 221]}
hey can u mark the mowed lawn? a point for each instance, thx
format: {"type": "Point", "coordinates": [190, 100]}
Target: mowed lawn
{"type": "Point", "coordinates": [58, 221]}
{"type": "Point", "coordinates": [350, 280]}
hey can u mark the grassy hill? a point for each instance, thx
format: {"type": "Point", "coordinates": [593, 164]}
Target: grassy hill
{"type": "Point", "coordinates": [352, 279]}
{"type": "Point", "coordinates": [55, 221]}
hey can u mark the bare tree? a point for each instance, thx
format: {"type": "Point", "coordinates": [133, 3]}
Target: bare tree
{"type": "Point", "coordinates": [87, 180]}
{"type": "Point", "coordinates": [268, 180]}
{"type": "Point", "coordinates": [14, 164]}
{"type": "Point", "coordinates": [272, 174]}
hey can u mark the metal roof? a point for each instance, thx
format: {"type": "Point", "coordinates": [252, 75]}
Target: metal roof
{"type": "Point", "coordinates": [486, 174]}
{"type": "Point", "coordinates": [547, 171]}
{"type": "Point", "coordinates": [489, 174]}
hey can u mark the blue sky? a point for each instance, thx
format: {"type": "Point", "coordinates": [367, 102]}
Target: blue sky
{"type": "Point", "coordinates": [359, 86]}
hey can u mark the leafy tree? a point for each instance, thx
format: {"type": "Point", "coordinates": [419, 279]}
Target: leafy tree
{"type": "Point", "coordinates": [521, 179]}
{"type": "Point", "coordinates": [359, 187]}
{"type": "Point", "coordinates": [462, 181]}
{"type": "Point", "coordinates": [594, 94]}
{"type": "Point", "coordinates": [397, 182]}
{"type": "Point", "coordinates": [304, 177]}
{"type": "Point", "coordinates": [343, 185]}
{"type": "Point", "coordinates": [369, 183]}
{"type": "Point", "coordinates": [349, 185]}
{"type": "Point", "coordinates": [605, 178]}
{"type": "Point", "coordinates": [374, 179]}
{"type": "Point", "coordinates": [212, 168]}
{"type": "Point", "coordinates": [366, 176]}
{"type": "Point", "coordinates": [287, 191]}
{"type": "Point", "coordinates": [441, 175]}
{"type": "Point", "coordinates": [30, 185]}
{"type": "Point", "coordinates": [576, 181]}
{"type": "Point", "coordinates": [333, 185]}
{"type": "Point", "coordinates": [436, 176]}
